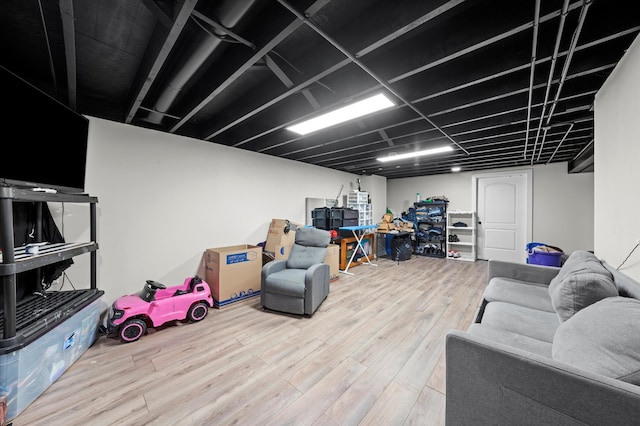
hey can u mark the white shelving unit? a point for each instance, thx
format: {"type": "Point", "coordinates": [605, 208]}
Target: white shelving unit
{"type": "Point", "coordinates": [466, 235]}
{"type": "Point", "coordinates": [359, 200]}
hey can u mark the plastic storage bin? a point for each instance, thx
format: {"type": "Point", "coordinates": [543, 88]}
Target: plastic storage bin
{"type": "Point", "coordinates": [27, 372]}
{"type": "Point", "coordinates": [544, 258]}
{"type": "Point", "coordinates": [538, 257]}
{"type": "Point", "coordinates": [344, 213]}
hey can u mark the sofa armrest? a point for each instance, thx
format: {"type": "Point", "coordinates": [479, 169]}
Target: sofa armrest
{"type": "Point", "coordinates": [488, 383]}
{"type": "Point", "coordinates": [522, 271]}
{"type": "Point", "coordinates": [272, 267]}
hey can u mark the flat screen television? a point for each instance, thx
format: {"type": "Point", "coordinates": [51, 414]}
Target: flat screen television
{"type": "Point", "coordinates": [48, 146]}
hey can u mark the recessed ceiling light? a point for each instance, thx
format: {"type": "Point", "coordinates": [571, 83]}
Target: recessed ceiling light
{"type": "Point", "coordinates": [456, 169]}
{"type": "Point", "coordinates": [416, 154]}
{"type": "Point", "coordinates": [340, 115]}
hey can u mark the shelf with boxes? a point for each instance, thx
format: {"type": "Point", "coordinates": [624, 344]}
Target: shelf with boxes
{"type": "Point", "coordinates": [461, 239]}
{"type": "Point", "coordinates": [45, 332]}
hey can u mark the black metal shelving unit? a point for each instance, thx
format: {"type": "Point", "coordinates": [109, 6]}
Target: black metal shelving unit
{"type": "Point", "coordinates": [24, 321]}
{"type": "Point", "coordinates": [430, 228]}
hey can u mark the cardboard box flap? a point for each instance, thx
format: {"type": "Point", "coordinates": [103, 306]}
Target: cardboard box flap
{"type": "Point", "coordinates": [281, 233]}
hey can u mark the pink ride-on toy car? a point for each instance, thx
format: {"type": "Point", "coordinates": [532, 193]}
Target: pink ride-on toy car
{"type": "Point", "coordinates": [157, 304]}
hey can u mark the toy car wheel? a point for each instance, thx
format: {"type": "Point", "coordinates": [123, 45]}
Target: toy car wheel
{"type": "Point", "coordinates": [131, 330]}
{"type": "Point", "coordinates": [197, 311]}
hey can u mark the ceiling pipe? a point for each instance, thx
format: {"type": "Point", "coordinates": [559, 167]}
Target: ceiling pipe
{"type": "Point", "coordinates": [195, 56]}
{"type": "Point", "coordinates": [554, 59]}
{"type": "Point", "coordinates": [364, 68]}
{"type": "Point", "coordinates": [536, 22]}
{"type": "Point", "coordinates": [229, 36]}
{"type": "Point", "coordinates": [561, 141]}
{"type": "Point", "coordinates": [574, 43]}
{"type": "Point", "coordinates": [396, 79]}
{"type": "Point", "coordinates": [45, 31]}
{"type": "Point", "coordinates": [565, 69]}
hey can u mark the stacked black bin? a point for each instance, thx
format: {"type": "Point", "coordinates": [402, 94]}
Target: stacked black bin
{"type": "Point", "coordinates": [333, 218]}
{"type": "Point", "coordinates": [343, 217]}
{"type": "Point", "coordinates": [321, 218]}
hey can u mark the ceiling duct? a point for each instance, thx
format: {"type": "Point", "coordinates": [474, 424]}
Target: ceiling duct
{"type": "Point", "coordinates": [195, 55]}
{"type": "Point", "coordinates": [583, 161]}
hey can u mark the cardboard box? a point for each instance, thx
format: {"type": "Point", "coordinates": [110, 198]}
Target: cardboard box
{"type": "Point", "coordinates": [333, 260]}
{"type": "Point", "coordinates": [283, 252]}
{"type": "Point", "coordinates": [281, 236]}
{"type": "Point", "coordinates": [387, 217]}
{"type": "Point", "coordinates": [233, 273]}
{"type": "Point", "coordinates": [386, 227]}
{"type": "Point", "coordinates": [407, 226]}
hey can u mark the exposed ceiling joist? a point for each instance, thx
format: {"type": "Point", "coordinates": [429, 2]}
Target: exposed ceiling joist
{"type": "Point", "coordinates": [506, 83]}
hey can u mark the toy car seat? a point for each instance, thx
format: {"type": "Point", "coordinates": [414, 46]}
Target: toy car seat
{"type": "Point", "coordinates": [195, 280]}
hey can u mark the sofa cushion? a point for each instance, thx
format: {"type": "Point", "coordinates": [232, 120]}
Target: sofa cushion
{"type": "Point", "coordinates": [533, 323]}
{"type": "Point", "coordinates": [581, 281]}
{"type": "Point", "coordinates": [530, 295]}
{"type": "Point", "coordinates": [511, 339]}
{"type": "Point", "coordinates": [603, 338]}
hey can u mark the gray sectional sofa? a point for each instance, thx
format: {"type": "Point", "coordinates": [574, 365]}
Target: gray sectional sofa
{"type": "Point", "coordinates": [548, 346]}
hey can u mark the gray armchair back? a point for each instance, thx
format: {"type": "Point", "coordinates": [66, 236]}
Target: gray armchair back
{"type": "Point", "coordinates": [299, 284]}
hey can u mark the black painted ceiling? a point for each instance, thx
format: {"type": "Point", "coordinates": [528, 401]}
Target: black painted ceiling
{"type": "Point", "coordinates": [505, 83]}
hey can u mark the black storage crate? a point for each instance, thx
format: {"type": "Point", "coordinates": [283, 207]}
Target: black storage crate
{"type": "Point", "coordinates": [320, 213]}
{"type": "Point", "coordinates": [337, 223]}
{"type": "Point", "coordinates": [321, 223]}
{"type": "Point", "coordinates": [345, 214]}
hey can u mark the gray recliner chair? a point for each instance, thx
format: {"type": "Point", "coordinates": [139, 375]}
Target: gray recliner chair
{"type": "Point", "coordinates": [299, 284]}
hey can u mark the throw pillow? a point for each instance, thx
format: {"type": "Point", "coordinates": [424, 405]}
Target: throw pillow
{"type": "Point", "coordinates": [603, 338]}
{"type": "Point", "coordinates": [579, 290]}
{"type": "Point", "coordinates": [582, 280]}
{"type": "Point", "coordinates": [580, 261]}
{"type": "Point", "coordinates": [576, 260]}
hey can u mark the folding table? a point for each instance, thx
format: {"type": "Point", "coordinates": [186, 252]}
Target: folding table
{"type": "Point", "coordinates": [359, 232]}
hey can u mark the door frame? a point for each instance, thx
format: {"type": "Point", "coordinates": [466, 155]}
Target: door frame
{"type": "Point", "coordinates": [528, 173]}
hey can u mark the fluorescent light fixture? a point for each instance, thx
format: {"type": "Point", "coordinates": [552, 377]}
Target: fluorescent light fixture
{"type": "Point", "coordinates": [340, 115]}
{"type": "Point", "coordinates": [456, 169]}
{"type": "Point", "coordinates": [416, 154]}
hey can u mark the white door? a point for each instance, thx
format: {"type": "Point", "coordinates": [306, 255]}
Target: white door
{"type": "Point", "coordinates": [503, 203]}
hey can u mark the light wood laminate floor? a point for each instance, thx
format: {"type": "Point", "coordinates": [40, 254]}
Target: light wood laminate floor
{"type": "Point", "coordinates": [373, 354]}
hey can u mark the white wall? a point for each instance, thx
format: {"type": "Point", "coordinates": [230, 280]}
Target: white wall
{"type": "Point", "coordinates": [562, 202]}
{"type": "Point", "coordinates": [164, 199]}
{"type": "Point", "coordinates": [617, 164]}
{"type": "Point", "coordinates": [401, 193]}
{"type": "Point", "coordinates": [563, 207]}
{"type": "Point", "coordinates": [376, 187]}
